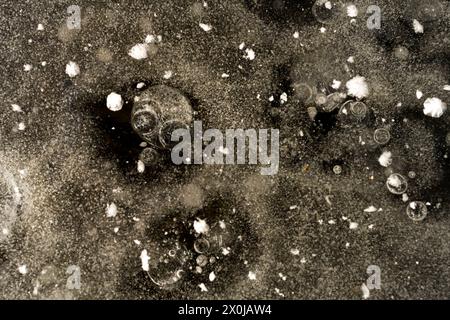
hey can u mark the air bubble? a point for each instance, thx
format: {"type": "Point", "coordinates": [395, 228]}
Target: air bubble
{"type": "Point", "coordinates": [396, 183]}
{"type": "Point", "coordinates": [358, 109]}
{"type": "Point", "coordinates": [201, 245]}
{"type": "Point", "coordinates": [325, 10]}
{"type": "Point", "coordinates": [167, 263]}
{"type": "Point", "coordinates": [149, 156]}
{"type": "Point", "coordinates": [166, 130]}
{"type": "Point", "coordinates": [417, 211]}
{"type": "Point", "coordinates": [382, 136]}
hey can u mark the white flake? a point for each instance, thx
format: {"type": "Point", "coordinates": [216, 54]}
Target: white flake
{"type": "Point", "coordinates": [212, 276]}
{"type": "Point", "coordinates": [351, 59]}
{"type": "Point", "coordinates": [114, 101]}
{"type": "Point", "coordinates": [434, 107]}
{"type": "Point", "coordinates": [111, 210]}
{"type": "Point", "coordinates": [21, 126]}
{"type": "Point", "coordinates": [16, 108]}
{"type": "Point", "coordinates": [249, 54]}
{"type": "Point", "coordinates": [419, 94]}
{"type": "Point", "coordinates": [168, 74]}
{"type": "Point", "coordinates": [140, 166]}
{"type": "Point", "coordinates": [295, 252]}
{"type": "Point", "coordinates": [251, 275]}
{"type": "Point", "coordinates": [336, 84]}
{"type": "Point", "coordinates": [447, 87]}
{"type": "Point", "coordinates": [140, 85]}
{"type": "Point", "coordinates": [352, 11]}
{"type": "Point", "coordinates": [27, 67]}
{"type": "Point", "coordinates": [144, 260]}
{"type": "Point", "coordinates": [72, 69]}
{"type": "Point", "coordinates": [385, 159]}
{"type": "Point", "coordinates": [296, 35]}
{"type": "Point", "coordinates": [23, 269]}
{"type": "Point", "coordinates": [203, 287]}
{"type": "Point", "coordinates": [283, 98]}
{"type": "Point", "coordinates": [138, 51]}
{"type": "Point", "coordinates": [205, 27]}
{"type": "Point", "coordinates": [370, 209]}
{"type": "Point", "coordinates": [200, 226]}
{"type": "Point", "coordinates": [365, 291]}
{"type": "Point", "coordinates": [353, 225]}
{"type": "Point", "coordinates": [418, 27]}
{"type": "Point", "coordinates": [40, 27]}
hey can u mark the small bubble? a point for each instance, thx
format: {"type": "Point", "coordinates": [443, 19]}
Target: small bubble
{"type": "Point", "coordinates": [396, 183]}
{"type": "Point", "coordinates": [201, 245]}
{"type": "Point", "coordinates": [358, 109]}
{"type": "Point", "coordinates": [417, 211]}
{"type": "Point", "coordinates": [381, 136]}
{"type": "Point", "coordinates": [337, 169]}
{"type": "Point", "coordinates": [325, 10]}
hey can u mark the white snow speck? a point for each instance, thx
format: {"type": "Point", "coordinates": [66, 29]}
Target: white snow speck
{"type": "Point", "coordinates": [336, 84]}
{"type": "Point", "coordinates": [27, 67]}
{"type": "Point", "coordinates": [353, 225]}
{"type": "Point", "coordinates": [21, 126]}
{"type": "Point", "coordinates": [114, 101]}
{"type": "Point", "coordinates": [144, 260]}
{"type": "Point", "coordinates": [295, 252]}
{"type": "Point", "coordinates": [296, 35]}
{"type": "Point", "coordinates": [168, 74]}
{"type": "Point", "coordinates": [140, 85]}
{"type": "Point", "coordinates": [111, 210]}
{"type": "Point", "coordinates": [351, 59]}
{"type": "Point", "coordinates": [385, 159]}
{"type": "Point", "coordinates": [446, 87]}
{"type": "Point", "coordinates": [283, 98]}
{"type": "Point", "coordinates": [328, 5]}
{"type": "Point", "coordinates": [140, 166]}
{"type": "Point", "coordinates": [212, 276]}
{"type": "Point", "coordinates": [40, 27]}
{"type": "Point", "coordinates": [251, 275]}
{"type": "Point", "coordinates": [72, 69]}
{"type": "Point", "coordinates": [249, 54]}
{"type": "Point", "coordinates": [225, 75]}
{"type": "Point", "coordinates": [138, 51]}
{"type": "Point", "coordinates": [205, 27]}
{"type": "Point", "coordinates": [370, 209]}
{"type": "Point", "coordinates": [23, 269]}
{"type": "Point", "coordinates": [365, 291]}
{"type": "Point", "coordinates": [418, 27]}
{"type": "Point", "coordinates": [322, 30]}
{"type": "Point", "coordinates": [151, 38]}
{"type": "Point", "coordinates": [200, 226]}
{"type": "Point", "coordinates": [357, 87]}
{"type": "Point", "coordinates": [419, 94]}
{"type": "Point", "coordinates": [434, 107]}
{"type": "Point", "coordinates": [203, 287]}
{"type": "Point", "coordinates": [16, 108]}
{"type": "Point", "coordinates": [242, 46]}
{"type": "Point", "coordinates": [352, 11]}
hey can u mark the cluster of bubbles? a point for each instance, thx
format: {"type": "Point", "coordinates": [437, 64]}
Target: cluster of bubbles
{"type": "Point", "coordinates": [349, 109]}
{"type": "Point", "coordinates": [181, 253]}
{"type": "Point", "coordinates": [156, 113]}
